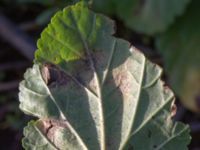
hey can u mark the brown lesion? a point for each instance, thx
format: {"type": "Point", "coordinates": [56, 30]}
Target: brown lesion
{"type": "Point", "coordinates": [52, 75]}
{"type": "Point", "coordinates": [123, 82]}
{"type": "Point", "coordinates": [49, 126]}
{"type": "Point", "coordinates": [173, 109]}
{"type": "Point", "coordinates": [45, 73]}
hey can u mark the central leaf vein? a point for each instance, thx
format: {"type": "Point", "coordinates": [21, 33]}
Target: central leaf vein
{"type": "Point", "coordinates": [88, 52]}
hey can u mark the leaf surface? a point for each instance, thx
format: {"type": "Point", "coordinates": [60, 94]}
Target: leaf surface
{"type": "Point", "coordinates": [91, 90]}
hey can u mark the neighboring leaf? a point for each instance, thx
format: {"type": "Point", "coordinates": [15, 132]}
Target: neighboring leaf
{"type": "Point", "coordinates": [145, 16]}
{"type": "Point", "coordinates": [43, 2]}
{"type": "Point", "coordinates": [45, 16]}
{"type": "Point", "coordinates": [91, 90]}
{"type": "Point", "coordinates": [148, 17]}
{"type": "Point", "coordinates": [180, 47]}
{"type": "Point", "coordinates": [104, 6]}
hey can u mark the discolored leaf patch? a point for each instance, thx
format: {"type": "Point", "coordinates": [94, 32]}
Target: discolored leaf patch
{"type": "Point", "coordinates": [109, 99]}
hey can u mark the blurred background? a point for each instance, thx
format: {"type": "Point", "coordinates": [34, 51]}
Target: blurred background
{"type": "Point", "coordinates": [166, 31]}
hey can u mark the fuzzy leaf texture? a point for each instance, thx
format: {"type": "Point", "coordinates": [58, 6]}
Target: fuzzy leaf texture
{"type": "Point", "coordinates": [91, 90]}
{"type": "Point", "coordinates": [144, 16]}
{"type": "Point", "coordinates": [180, 48]}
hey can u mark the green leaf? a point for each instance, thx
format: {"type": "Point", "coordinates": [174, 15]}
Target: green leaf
{"type": "Point", "coordinates": [104, 6]}
{"type": "Point", "coordinates": [91, 90]}
{"type": "Point", "coordinates": [145, 16]}
{"type": "Point", "coordinates": [180, 48]}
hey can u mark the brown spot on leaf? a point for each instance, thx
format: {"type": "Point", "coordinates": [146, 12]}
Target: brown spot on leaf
{"type": "Point", "coordinates": [45, 74]}
{"type": "Point", "coordinates": [53, 75]}
{"type": "Point", "coordinates": [122, 81]}
{"type": "Point", "coordinates": [100, 59]}
{"type": "Point", "coordinates": [50, 73]}
{"type": "Point", "coordinates": [173, 109]}
{"type": "Point", "coordinates": [49, 127]}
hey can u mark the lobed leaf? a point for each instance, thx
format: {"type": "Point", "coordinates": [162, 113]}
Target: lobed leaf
{"type": "Point", "coordinates": [91, 90]}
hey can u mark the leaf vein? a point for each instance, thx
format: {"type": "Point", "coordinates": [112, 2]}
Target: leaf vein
{"type": "Point", "coordinates": [171, 138]}
{"type": "Point", "coordinates": [65, 45]}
